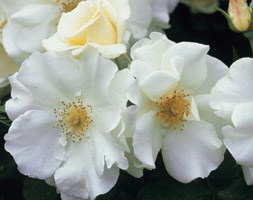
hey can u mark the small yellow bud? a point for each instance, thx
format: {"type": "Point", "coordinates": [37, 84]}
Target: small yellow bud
{"type": "Point", "coordinates": [240, 14]}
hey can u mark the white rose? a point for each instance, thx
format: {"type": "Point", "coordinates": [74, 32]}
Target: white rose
{"type": "Point", "coordinates": [171, 94]}
{"type": "Point", "coordinates": [99, 23]}
{"type": "Point", "coordinates": [232, 98]}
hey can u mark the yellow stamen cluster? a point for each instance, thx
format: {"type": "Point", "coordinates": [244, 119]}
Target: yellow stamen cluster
{"type": "Point", "coordinates": [74, 119]}
{"type": "Point", "coordinates": [67, 5]}
{"type": "Point", "coordinates": [173, 109]}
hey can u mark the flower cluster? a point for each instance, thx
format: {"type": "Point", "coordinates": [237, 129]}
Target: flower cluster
{"type": "Point", "coordinates": [96, 88]}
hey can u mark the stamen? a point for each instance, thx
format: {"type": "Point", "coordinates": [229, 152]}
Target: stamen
{"type": "Point", "coordinates": [74, 119]}
{"type": "Point", "coordinates": [67, 5]}
{"type": "Point", "coordinates": [173, 109]}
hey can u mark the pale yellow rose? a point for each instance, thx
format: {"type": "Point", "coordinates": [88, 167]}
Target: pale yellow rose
{"type": "Point", "coordinates": [99, 23]}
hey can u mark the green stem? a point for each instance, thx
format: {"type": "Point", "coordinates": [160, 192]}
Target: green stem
{"type": "Point", "coordinates": [5, 123]}
{"type": "Point", "coordinates": [118, 63]}
{"type": "Point", "coordinates": [128, 57]}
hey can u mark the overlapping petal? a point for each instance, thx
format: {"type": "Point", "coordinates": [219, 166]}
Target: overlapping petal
{"type": "Point", "coordinates": [147, 138]}
{"type": "Point", "coordinates": [236, 86]}
{"type": "Point", "coordinates": [77, 177]}
{"type": "Point", "coordinates": [21, 100]}
{"type": "Point", "coordinates": [239, 140]}
{"type": "Point", "coordinates": [34, 143]}
{"type": "Point", "coordinates": [193, 152]}
{"type": "Point", "coordinates": [46, 86]}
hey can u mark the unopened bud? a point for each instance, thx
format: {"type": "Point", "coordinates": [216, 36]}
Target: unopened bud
{"type": "Point", "coordinates": [239, 15]}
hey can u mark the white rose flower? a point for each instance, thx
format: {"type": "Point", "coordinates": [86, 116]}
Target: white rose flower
{"type": "Point", "coordinates": [99, 23]}
{"type": "Point", "coordinates": [172, 93]}
{"type": "Point", "coordinates": [232, 98]}
{"type": "Point", "coordinates": [63, 123]}
{"type": "Point", "coordinates": [29, 22]}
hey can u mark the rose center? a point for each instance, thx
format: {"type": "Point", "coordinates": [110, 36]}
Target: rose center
{"type": "Point", "coordinates": [74, 119]}
{"type": "Point", "coordinates": [173, 109]}
{"type": "Point", "coordinates": [67, 5]}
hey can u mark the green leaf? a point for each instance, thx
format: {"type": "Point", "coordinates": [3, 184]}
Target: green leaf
{"type": "Point", "coordinates": [3, 117]}
{"type": "Point", "coordinates": [39, 190]}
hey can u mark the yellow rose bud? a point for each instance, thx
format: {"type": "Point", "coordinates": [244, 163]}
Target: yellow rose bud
{"type": "Point", "coordinates": [98, 23]}
{"type": "Point", "coordinates": [240, 14]}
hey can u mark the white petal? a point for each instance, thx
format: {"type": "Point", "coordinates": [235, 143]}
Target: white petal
{"type": "Point", "coordinates": [120, 84]}
{"type": "Point", "coordinates": [175, 65]}
{"type": "Point", "coordinates": [140, 69]}
{"type": "Point", "coordinates": [12, 6]}
{"type": "Point", "coordinates": [21, 100]}
{"type": "Point", "coordinates": [160, 12]}
{"type": "Point", "coordinates": [151, 51]}
{"type": "Point", "coordinates": [97, 73]}
{"type": "Point", "coordinates": [49, 78]}
{"type": "Point", "coordinates": [122, 8]}
{"type": "Point", "coordinates": [194, 72]}
{"type": "Point", "coordinates": [235, 87]}
{"type": "Point", "coordinates": [69, 197]}
{"type": "Point", "coordinates": [106, 152]}
{"type": "Point", "coordinates": [171, 4]}
{"type": "Point", "coordinates": [33, 14]}
{"type": "Point", "coordinates": [215, 71]}
{"type": "Point", "coordinates": [34, 143]}
{"type": "Point", "coordinates": [239, 140]}
{"type": "Point", "coordinates": [35, 21]}
{"type": "Point", "coordinates": [194, 112]}
{"type": "Point", "coordinates": [106, 118]}
{"type": "Point", "coordinates": [193, 152]}
{"type": "Point", "coordinates": [248, 174]}
{"type": "Point", "coordinates": [159, 84]}
{"type": "Point", "coordinates": [109, 51]}
{"type": "Point", "coordinates": [134, 93]}
{"type": "Point", "coordinates": [207, 114]}
{"type": "Point", "coordinates": [139, 98]}
{"type": "Point", "coordinates": [147, 139]}
{"type": "Point", "coordinates": [134, 168]}
{"type": "Point", "coordinates": [9, 32]}
{"type": "Point", "coordinates": [140, 19]}
{"type": "Point", "coordinates": [78, 178]}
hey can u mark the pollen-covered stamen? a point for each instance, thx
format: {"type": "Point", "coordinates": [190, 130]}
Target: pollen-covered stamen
{"type": "Point", "coordinates": [173, 109]}
{"type": "Point", "coordinates": [67, 5]}
{"type": "Point", "coordinates": [74, 119]}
